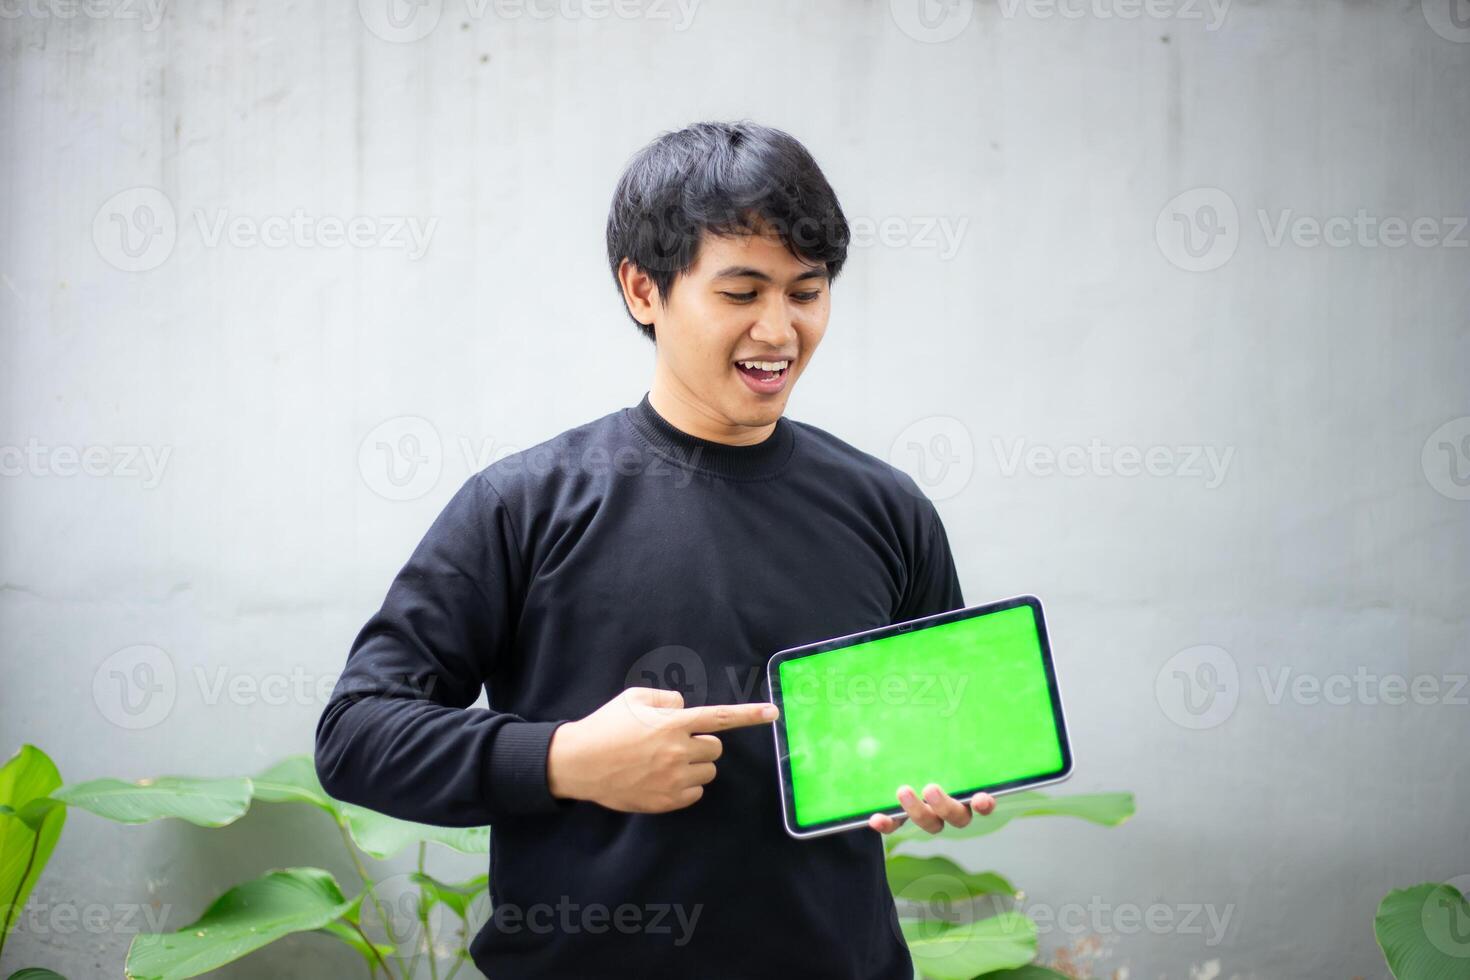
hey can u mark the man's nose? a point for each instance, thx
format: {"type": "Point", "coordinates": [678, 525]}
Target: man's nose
{"type": "Point", "coordinates": [775, 327]}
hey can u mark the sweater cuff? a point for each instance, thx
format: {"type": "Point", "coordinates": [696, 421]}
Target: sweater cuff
{"type": "Point", "coordinates": [518, 768]}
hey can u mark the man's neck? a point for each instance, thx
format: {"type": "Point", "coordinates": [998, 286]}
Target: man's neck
{"type": "Point", "coordinates": [678, 406]}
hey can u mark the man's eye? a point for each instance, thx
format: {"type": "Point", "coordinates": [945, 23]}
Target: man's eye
{"type": "Point", "coordinates": [740, 297]}
{"type": "Point", "coordinates": [808, 296]}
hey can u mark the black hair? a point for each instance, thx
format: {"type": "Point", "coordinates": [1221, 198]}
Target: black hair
{"type": "Point", "coordinates": [718, 177]}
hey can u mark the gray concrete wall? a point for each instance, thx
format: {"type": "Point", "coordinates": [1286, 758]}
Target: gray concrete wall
{"type": "Point", "coordinates": [1125, 299]}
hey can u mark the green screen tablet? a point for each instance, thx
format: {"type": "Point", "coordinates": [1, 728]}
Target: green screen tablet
{"type": "Point", "coordinates": [967, 699]}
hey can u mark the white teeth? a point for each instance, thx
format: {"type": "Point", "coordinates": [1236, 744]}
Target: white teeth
{"type": "Point", "coordinates": [765, 365]}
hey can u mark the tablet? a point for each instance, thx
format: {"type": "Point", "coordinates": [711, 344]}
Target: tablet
{"type": "Point", "coordinates": [967, 699]}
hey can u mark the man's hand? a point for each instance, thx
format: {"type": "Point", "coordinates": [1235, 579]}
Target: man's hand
{"type": "Point", "coordinates": [935, 809]}
{"type": "Point", "coordinates": [643, 751]}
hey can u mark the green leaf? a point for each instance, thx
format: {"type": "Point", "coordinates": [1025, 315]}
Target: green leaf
{"type": "Point", "coordinates": [960, 952]}
{"type": "Point", "coordinates": [294, 780]}
{"type": "Point", "coordinates": [1424, 932]}
{"type": "Point", "coordinates": [458, 897]}
{"type": "Point", "coordinates": [35, 973]}
{"type": "Point", "coordinates": [29, 831]}
{"type": "Point", "coordinates": [383, 836]}
{"type": "Point", "coordinates": [205, 802]}
{"type": "Point", "coordinates": [34, 813]}
{"type": "Point", "coordinates": [923, 879]}
{"type": "Point", "coordinates": [240, 921]}
{"type": "Point", "coordinates": [1031, 971]}
{"type": "Point", "coordinates": [1107, 809]}
{"type": "Point", "coordinates": [351, 937]}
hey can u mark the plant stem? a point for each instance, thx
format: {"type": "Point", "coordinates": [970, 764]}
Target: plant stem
{"type": "Point", "coordinates": [374, 947]}
{"type": "Point", "coordinates": [424, 911]}
{"type": "Point", "coordinates": [464, 945]}
{"type": "Point", "coordinates": [11, 910]}
{"type": "Point", "coordinates": [367, 884]}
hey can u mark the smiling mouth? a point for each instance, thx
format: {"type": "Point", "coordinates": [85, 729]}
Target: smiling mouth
{"type": "Point", "coordinates": [764, 371]}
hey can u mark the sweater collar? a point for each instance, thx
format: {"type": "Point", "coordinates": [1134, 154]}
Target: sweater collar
{"type": "Point", "coordinates": [759, 461]}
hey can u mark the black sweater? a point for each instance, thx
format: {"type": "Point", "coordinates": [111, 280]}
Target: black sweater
{"type": "Point", "coordinates": [627, 553]}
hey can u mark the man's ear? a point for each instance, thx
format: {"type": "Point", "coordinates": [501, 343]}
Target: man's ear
{"type": "Point", "coordinates": [640, 292]}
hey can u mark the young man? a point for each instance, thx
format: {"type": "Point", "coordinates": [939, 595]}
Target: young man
{"type": "Point", "coordinates": [617, 591]}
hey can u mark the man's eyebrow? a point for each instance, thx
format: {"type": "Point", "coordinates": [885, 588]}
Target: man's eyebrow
{"type": "Point", "coordinates": [746, 272]}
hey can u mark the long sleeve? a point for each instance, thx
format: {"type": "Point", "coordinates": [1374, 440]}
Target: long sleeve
{"type": "Point", "coordinates": [933, 585]}
{"type": "Point", "coordinates": [398, 734]}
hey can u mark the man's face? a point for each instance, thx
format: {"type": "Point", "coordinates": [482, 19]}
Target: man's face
{"type": "Point", "coordinates": [747, 298]}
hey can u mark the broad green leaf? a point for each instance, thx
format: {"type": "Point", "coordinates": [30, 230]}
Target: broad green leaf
{"type": "Point", "coordinates": [1424, 932]}
{"type": "Point", "coordinates": [929, 878]}
{"type": "Point", "coordinates": [205, 802]}
{"type": "Point", "coordinates": [240, 921]}
{"type": "Point", "coordinates": [294, 780]}
{"type": "Point", "coordinates": [1031, 971]}
{"type": "Point", "coordinates": [960, 952]}
{"type": "Point", "coordinates": [35, 973]}
{"type": "Point", "coordinates": [29, 831]}
{"type": "Point", "coordinates": [383, 836]}
{"type": "Point", "coordinates": [34, 813]}
{"type": "Point", "coordinates": [351, 937]}
{"type": "Point", "coordinates": [458, 897]}
{"type": "Point", "coordinates": [1107, 809]}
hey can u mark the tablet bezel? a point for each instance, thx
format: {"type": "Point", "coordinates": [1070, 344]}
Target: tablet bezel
{"type": "Point", "coordinates": [783, 764]}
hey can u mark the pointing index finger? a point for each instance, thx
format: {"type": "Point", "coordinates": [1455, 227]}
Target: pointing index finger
{"type": "Point", "coordinates": [721, 717]}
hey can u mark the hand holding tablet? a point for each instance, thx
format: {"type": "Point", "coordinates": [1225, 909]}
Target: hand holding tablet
{"type": "Point", "coordinates": [964, 700]}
